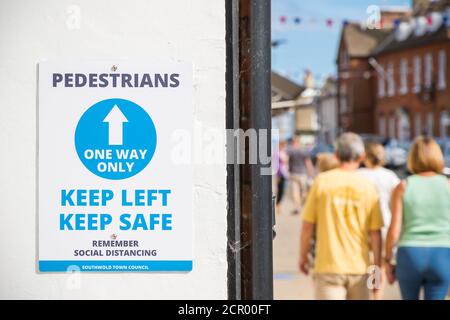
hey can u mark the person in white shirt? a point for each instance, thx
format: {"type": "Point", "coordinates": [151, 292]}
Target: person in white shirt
{"type": "Point", "coordinates": [385, 181]}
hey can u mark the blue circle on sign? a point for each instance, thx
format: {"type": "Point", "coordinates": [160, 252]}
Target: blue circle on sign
{"type": "Point", "coordinates": [115, 139]}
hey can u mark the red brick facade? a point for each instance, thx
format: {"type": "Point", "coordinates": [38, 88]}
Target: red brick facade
{"type": "Point", "coordinates": [356, 97]}
{"type": "Point", "coordinates": [415, 105]}
{"type": "Point", "coordinates": [355, 82]}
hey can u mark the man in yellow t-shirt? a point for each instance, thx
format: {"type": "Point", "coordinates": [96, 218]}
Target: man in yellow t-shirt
{"type": "Point", "coordinates": [343, 209]}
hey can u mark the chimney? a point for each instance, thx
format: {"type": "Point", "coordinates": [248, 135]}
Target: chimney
{"type": "Point", "coordinates": [424, 6]}
{"type": "Point", "coordinates": [421, 6]}
{"type": "Point", "coordinates": [308, 79]}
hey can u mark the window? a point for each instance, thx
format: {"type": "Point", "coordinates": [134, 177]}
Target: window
{"type": "Point", "coordinates": [430, 124]}
{"type": "Point", "coordinates": [417, 74]}
{"type": "Point", "coordinates": [381, 86]}
{"type": "Point", "coordinates": [403, 76]}
{"type": "Point", "coordinates": [390, 80]}
{"type": "Point", "coordinates": [428, 70]}
{"type": "Point", "coordinates": [404, 130]}
{"type": "Point", "coordinates": [343, 98]}
{"type": "Point", "coordinates": [418, 124]}
{"type": "Point", "coordinates": [382, 125]}
{"type": "Point", "coordinates": [445, 124]}
{"type": "Point", "coordinates": [392, 126]}
{"type": "Point", "coordinates": [343, 59]}
{"type": "Point", "coordinates": [442, 70]}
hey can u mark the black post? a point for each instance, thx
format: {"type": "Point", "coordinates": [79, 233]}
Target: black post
{"type": "Point", "coordinates": [233, 176]}
{"type": "Point", "coordinates": [260, 118]}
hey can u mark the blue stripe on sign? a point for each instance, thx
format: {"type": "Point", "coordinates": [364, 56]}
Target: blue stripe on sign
{"type": "Point", "coordinates": [113, 266]}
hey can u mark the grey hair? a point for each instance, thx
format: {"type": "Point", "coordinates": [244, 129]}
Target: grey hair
{"type": "Point", "coordinates": [349, 147]}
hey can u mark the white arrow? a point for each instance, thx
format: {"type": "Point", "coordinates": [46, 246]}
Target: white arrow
{"type": "Point", "coordinates": [115, 120]}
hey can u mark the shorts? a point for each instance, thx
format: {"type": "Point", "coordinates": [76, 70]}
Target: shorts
{"type": "Point", "coordinates": [341, 286]}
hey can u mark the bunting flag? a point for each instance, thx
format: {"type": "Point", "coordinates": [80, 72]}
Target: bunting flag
{"type": "Point", "coordinates": [276, 43]}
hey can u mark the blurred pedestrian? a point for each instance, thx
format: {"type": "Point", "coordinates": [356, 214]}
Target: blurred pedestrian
{"type": "Point", "coordinates": [326, 161]}
{"type": "Point", "coordinates": [300, 169]}
{"type": "Point", "coordinates": [421, 225]}
{"type": "Point", "coordinates": [385, 181]}
{"type": "Point", "coordinates": [282, 173]}
{"type": "Point", "coordinates": [343, 207]}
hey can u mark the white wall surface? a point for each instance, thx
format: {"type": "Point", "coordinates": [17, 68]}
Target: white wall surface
{"type": "Point", "coordinates": [31, 31]}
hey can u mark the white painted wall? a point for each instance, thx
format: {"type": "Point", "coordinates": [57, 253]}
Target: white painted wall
{"type": "Point", "coordinates": [30, 31]}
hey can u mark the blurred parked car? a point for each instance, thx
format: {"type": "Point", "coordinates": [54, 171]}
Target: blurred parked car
{"type": "Point", "coordinates": [445, 147]}
{"type": "Point", "coordinates": [396, 153]}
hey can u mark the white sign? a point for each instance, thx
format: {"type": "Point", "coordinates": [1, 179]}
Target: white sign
{"type": "Point", "coordinates": [111, 196]}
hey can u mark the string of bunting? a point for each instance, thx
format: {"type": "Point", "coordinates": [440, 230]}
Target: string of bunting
{"type": "Point", "coordinates": [429, 20]}
{"type": "Point", "coordinates": [296, 20]}
{"type": "Point", "coordinates": [285, 20]}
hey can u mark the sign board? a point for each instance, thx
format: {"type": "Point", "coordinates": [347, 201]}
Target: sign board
{"type": "Point", "coordinates": [111, 195]}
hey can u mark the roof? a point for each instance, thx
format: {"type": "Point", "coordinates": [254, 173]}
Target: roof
{"type": "Point", "coordinates": [329, 87]}
{"type": "Point", "coordinates": [359, 41]}
{"type": "Point", "coordinates": [426, 6]}
{"type": "Point", "coordinates": [288, 89]}
{"type": "Point", "coordinates": [391, 43]}
{"type": "Point", "coordinates": [287, 94]}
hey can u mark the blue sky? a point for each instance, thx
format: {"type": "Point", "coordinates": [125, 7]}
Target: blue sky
{"type": "Point", "coordinates": [311, 44]}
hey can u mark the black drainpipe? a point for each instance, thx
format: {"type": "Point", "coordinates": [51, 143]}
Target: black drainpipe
{"type": "Point", "coordinates": [249, 186]}
{"type": "Point", "coordinates": [260, 118]}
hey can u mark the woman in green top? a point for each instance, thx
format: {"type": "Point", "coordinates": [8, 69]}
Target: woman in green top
{"type": "Point", "coordinates": [420, 225]}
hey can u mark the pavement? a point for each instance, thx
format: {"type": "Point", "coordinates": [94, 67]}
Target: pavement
{"type": "Point", "coordinates": [289, 283]}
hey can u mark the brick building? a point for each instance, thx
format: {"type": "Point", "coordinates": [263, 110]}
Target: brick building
{"type": "Point", "coordinates": [355, 81]}
{"type": "Point", "coordinates": [394, 81]}
{"type": "Point", "coordinates": [412, 87]}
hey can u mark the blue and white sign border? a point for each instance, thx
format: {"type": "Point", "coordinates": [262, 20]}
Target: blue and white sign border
{"type": "Point", "coordinates": [59, 167]}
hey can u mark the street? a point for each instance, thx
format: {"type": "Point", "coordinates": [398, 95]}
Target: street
{"type": "Point", "coordinates": [289, 283]}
